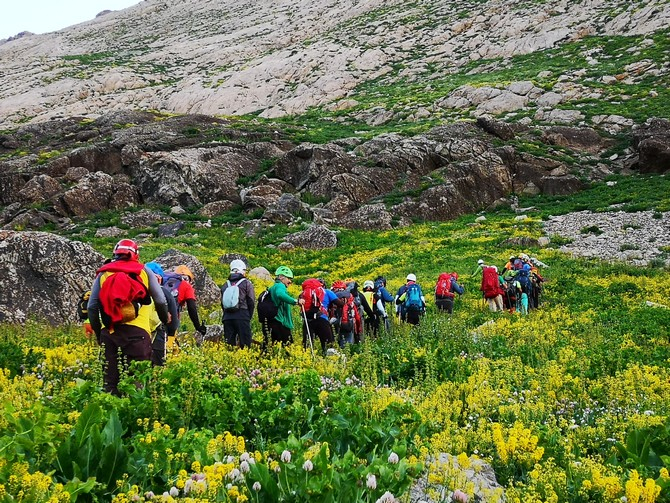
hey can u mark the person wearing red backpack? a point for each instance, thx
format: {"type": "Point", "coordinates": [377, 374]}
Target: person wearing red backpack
{"type": "Point", "coordinates": [120, 310]}
{"type": "Point", "coordinates": [316, 323]}
{"type": "Point", "coordinates": [445, 290]}
{"type": "Point", "coordinates": [492, 289]}
{"type": "Point", "coordinates": [345, 316]}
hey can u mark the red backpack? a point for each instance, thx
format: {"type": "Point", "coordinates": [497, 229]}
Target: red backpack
{"type": "Point", "coordinates": [313, 293]}
{"type": "Point", "coordinates": [350, 316]}
{"type": "Point", "coordinates": [443, 287]}
{"type": "Point", "coordinates": [490, 283]}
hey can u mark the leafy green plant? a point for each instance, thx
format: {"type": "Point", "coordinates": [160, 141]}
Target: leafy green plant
{"type": "Point", "coordinates": [94, 453]}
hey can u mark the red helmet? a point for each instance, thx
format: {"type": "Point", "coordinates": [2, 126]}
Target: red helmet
{"type": "Point", "coordinates": [454, 275]}
{"type": "Point", "coordinates": [127, 247]}
{"type": "Point", "coordinates": [339, 285]}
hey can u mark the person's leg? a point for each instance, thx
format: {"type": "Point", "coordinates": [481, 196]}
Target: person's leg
{"type": "Point", "coordinates": [413, 317]}
{"type": "Point", "coordinates": [449, 306]}
{"type": "Point", "coordinates": [244, 331]}
{"type": "Point", "coordinates": [111, 374]}
{"type": "Point", "coordinates": [158, 347]}
{"type": "Point", "coordinates": [230, 332]}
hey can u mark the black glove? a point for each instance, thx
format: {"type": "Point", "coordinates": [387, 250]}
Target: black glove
{"type": "Point", "coordinates": [202, 329]}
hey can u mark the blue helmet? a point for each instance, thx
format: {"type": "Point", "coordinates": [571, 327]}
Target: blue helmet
{"type": "Point", "coordinates": [156, 268]}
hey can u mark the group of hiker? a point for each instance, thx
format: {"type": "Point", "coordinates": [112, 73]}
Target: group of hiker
{"type": "Point", "coordinates": [516, 287]}
{"type": "Point", "coordinates": [133, 308]}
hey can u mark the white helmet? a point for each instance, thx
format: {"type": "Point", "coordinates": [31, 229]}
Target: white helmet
{"type": "Point", "coordinates": [238, 266]}
{"type": "Point", "coordinates": [411, 277]}
{"type": "Point", "coordinates": [480, 262]}
{"type": "Point", "coordinates": [368, 284]}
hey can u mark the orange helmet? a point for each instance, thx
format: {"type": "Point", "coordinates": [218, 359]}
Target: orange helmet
{"type": "Point", "coordinates": [184, 271]}
{"type": "Point", "coordinates": [127, 247]}
{"type": "Point", "coordinates": [339, 285]}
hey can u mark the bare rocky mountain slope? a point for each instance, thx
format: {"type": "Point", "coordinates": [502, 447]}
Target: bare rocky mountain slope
{"type": "Point", "coordinates": [226, 57]}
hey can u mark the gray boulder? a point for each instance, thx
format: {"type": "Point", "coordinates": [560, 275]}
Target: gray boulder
{"type": "Point", "coordinates": [316, 237]}
{"type": "Point", "coordinates": [97, 192]}
{"type": "Point", "coordinates": [39, 188]}
{"type": "Point", "coordinates": [193, 177]}
{"type": "Point", "coordinates": [48, 273]}
{"type": "Point", "coordinates": [652, 142]}
{"type": "Point", "coordinates": [477, 475]}
{"type": "Point", "coordinates": [207, 293]}
{"type": "Point", "coordinates": [368, 217]}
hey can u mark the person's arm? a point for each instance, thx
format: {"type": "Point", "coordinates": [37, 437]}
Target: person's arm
{"type": "Point", "coordinates": [457, 288]}
{"type": "Point", "coordinates": [94, 308]}
{"type": "Point", "coordinates": [385, 295]}
{"type": "Point", "coordinates": [172, 327]}
{"type": "Point", "coordinates": [192, 309]}
{"type": "Point", "coordinates": [283, 296]}
{"type": "Point", "coordinates": [251, 298]}
{"type": "Point", "coordinates": [156, 292]}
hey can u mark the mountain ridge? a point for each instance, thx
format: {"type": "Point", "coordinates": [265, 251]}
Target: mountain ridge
{"type": "Point", "coordinates": [274, 59]}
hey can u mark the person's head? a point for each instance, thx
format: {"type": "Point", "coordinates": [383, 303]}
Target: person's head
{"type": "Point", "coordinates": [454, 275]}
{"type": "Point", "coordinates": [368, 285]}
{"type": "Point", "coordinates": [411, 277]}
{"type": "Point", "coordinates": [185, 273]}
{"type": "Point", "coordinates": [480, 262]}
{"type": "Point", "coordinates": [284, 274]}
{"type": "Point", "coordinates": [512, 258]}
{"type": "Point", "coordinates": [526, 267]}
{"type": "Point", "coordinates": [238, 266]}
{"type": "Point", "coordinates": [338, 285]}
{"type": "Point", "coordinates": [381, 279]}
{"type": "Point", "coordinates": [156, 268]}
{"type": "Point", "coordinates": [126, 249]}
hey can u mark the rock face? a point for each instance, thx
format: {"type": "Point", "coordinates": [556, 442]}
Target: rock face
{"type": "Point", "coordinates": [43, 276]}
{"type": "Point", "coordinates": [207, 292]}
{"type": "Point", "coordinates": [316, 237]}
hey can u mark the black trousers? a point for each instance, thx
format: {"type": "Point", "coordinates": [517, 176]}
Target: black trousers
{"type": "Point", "coordinates": [237, 332]}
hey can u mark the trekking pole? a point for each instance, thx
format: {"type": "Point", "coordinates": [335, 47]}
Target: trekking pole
{"type": "Point", "coordinates": [309, 335]}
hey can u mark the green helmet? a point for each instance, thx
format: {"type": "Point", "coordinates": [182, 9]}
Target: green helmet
{"type": "Point", "coordinates": [282, 270]}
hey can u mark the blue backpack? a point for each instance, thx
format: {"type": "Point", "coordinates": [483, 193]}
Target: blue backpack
{"type": "Point", "coordinates": [413, 300]}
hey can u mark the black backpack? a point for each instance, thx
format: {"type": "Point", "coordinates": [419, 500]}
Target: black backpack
{"type": "Point", "coordinates": [267, 310]}
{"type": "Point", "coordinates": [82, 305]}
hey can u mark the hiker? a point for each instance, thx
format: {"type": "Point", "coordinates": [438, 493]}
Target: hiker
{"type": "Point", "coordinates": [345, 316]}
{"type": "Point", "coordinates": [180, 282]}
{"type": "Point", "coordinates": [378, 311]}
{"type": "Point", "coordinates": [510, 263]}
{"type": "Point", "coordinates": [238, 301]}
{"type": "Point", "coordinates": [119, 310]}
{"type": "Point", "coordinates": [480, 268]}
{"type": "Point", "coordinates": [386, 298]}
{"type": "Point", "coordinates": [281, 326]}
{"type": "Point", "coordinates": [491, 288]}
{"type": "Point", "coordinates": [363, 307]}
{"type": "Point", "coordinates": [82, 313]}
{"type": "Point", "coordinates": [410, 300]}
{"type": "Point", "coordinates": [526, 287]}
{"type": "Point", "coordinates": [316, 322]}
{"type": "Point", "coordinates": [445, 289]}
{"type": "Point", "coordinates": [162, 332]}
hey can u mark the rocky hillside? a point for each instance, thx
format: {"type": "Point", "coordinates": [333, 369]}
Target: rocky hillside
{"type": "Point", "coordinates": [275, 58]}
{"type": "Point", "coordinates": [402, 111]}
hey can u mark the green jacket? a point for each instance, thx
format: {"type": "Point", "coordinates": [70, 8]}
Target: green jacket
{"type": "Point", "coordinates": [283, 301]}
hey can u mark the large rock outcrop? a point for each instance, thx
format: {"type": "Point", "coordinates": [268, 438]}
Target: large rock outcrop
{"type": "Point", "coordinates": [43, 276]}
